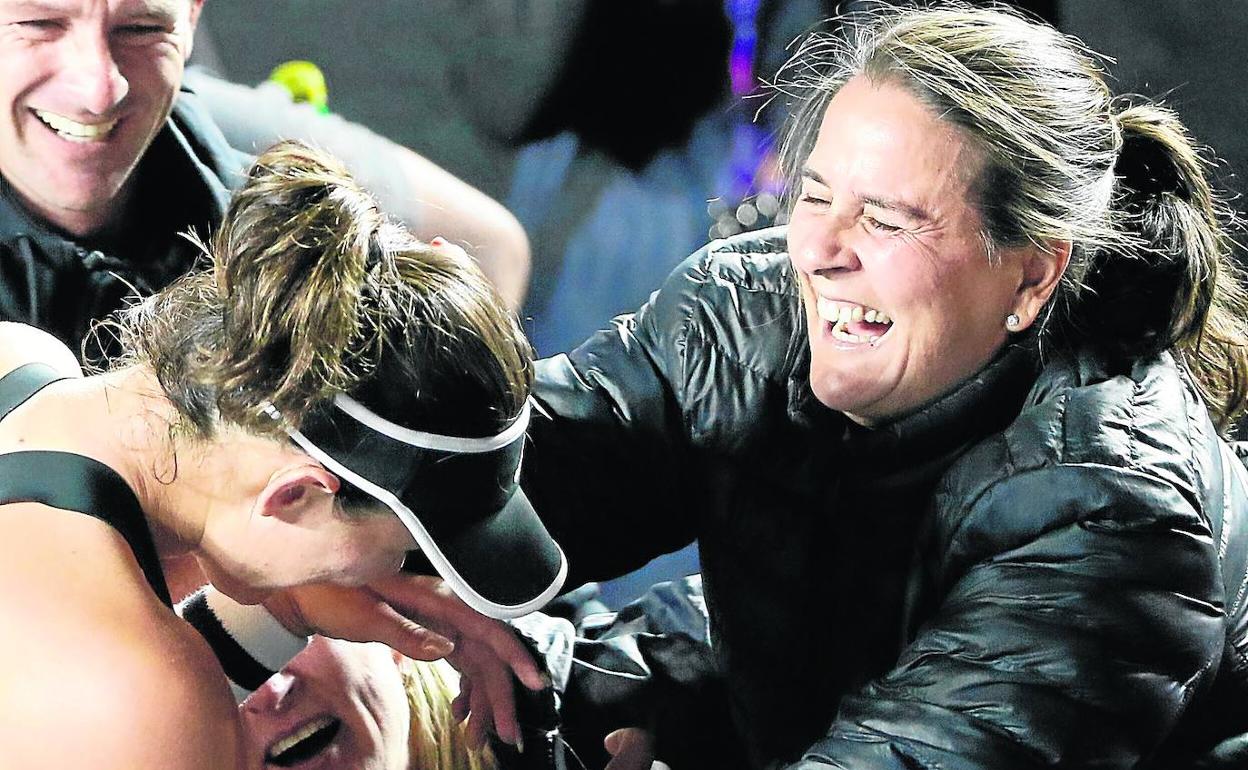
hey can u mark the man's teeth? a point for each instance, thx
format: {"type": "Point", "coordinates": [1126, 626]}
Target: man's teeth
{"type": "Point", "coordinates": [840, 314]}
{"type": "Point", "coordinates": [303, 733]}
{"type": "Point", "coordinates": [73, 130]}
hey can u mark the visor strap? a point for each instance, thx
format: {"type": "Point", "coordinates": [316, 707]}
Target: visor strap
{"type": "Point", "coordinates": [436, 441]}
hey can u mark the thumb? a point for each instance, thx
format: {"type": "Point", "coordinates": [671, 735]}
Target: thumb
{"type": "Point", "coordinates": [612, 742]}
{"type": "Point", "coordinates": [631, 748]}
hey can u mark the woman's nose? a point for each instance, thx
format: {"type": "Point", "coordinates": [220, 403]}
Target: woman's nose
{"type": "Point", "coordinates": [828, 247]}
{"type": "Point", "coordinates": [271, 695]}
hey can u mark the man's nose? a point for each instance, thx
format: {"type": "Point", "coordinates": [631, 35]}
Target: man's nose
{"type": "Point", "coordinates": [90, 70]}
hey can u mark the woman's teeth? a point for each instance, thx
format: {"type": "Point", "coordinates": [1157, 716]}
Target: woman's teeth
{"type": "Point", "coordinates": [280, 752]}
{"type": "Point", "coordinates": [73, 130]}
{"type": "Point", "coordinates": [841, 314]}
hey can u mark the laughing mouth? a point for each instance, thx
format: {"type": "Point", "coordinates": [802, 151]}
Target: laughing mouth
{"type": "Point", "coordinates": [304, 743]}
{"type": "Point", "coordinates": [854, 323]}
{"type": "Point", "coordinates": [74, 131]}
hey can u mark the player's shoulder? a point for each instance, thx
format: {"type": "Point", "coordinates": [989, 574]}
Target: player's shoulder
{"type": "Point", "coordinates": [21, 344]}
{"type": "Point", "coordinates": [94, 664]}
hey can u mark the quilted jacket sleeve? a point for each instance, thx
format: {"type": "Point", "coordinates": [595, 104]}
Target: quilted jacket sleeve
{"type": "Point", "coordinates": [604, 461]}
{"type": "Point", "coordinates": [1080, 608]}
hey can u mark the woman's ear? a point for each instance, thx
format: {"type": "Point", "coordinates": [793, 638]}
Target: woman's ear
{"type": "Point", "coordinates": [1042, 270]}
{"type": "Point", "coordinates": [290, 492]}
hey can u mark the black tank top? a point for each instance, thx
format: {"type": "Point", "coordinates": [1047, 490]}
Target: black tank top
{"type": "Point", "coordinates": [72, 482]}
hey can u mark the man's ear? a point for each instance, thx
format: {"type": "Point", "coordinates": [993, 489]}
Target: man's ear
{"type": "Point", "coordinates": [197, 7]}
{"type": "Point", "coordinates": [1042, 270]}
{"type": "Point", "coordinates": [291, 492]}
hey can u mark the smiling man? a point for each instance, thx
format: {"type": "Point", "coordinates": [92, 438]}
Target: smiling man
{"type": "Point", "coordinates": [102, 161]}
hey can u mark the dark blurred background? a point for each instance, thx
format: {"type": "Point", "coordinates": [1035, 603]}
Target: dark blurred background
{"type": "Point", "coordinates": [620, 132]}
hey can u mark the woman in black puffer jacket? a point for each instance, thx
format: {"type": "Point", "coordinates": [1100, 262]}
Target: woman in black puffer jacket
{"type": "Point", "coordinates": [950, 441]}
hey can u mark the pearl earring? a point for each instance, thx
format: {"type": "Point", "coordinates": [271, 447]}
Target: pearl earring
{"type": "Point", "coordinates": [1012, 321]}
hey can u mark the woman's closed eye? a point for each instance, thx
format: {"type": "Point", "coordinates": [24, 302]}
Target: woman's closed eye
{"type": "Point", "coordinates": [883, 227]}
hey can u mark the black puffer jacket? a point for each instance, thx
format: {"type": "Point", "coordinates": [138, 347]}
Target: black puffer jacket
{"type": "Point", "coordinates": [1045, 567]}
{"type": "Point", "coordinates": [62, 284]}
{"type": "Point", "coordinates": [607, 669]}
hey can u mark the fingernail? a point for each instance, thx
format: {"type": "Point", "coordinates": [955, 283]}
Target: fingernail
{"type": "Point", "coordinates": [439, 648]}
{"type": "Point", "coordinates": [520, 742]}
{"type": "Point", "coordinates": [437, 241]}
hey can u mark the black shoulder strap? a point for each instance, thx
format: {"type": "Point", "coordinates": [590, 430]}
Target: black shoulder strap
{"type": "Point", "coordinates": [73, 482]}
{"type": "Point", "coordinates": [76, 483]}
{"type": "Point", "coordinates": [19, 385]}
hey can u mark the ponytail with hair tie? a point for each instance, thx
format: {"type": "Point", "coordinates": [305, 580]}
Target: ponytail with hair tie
{"type": "Point", "coordinates": [1171, 283]}
{"type": "Point", "coordinates": [1143, 167]}
{"type": "Point", "coordinates": [312, 293]}
{"type": "Point", "coordinates": [292, 263]}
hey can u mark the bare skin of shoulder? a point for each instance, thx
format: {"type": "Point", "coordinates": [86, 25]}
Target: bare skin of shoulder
{"type": "Point", "coordinates": [21, 344]}
{"type": "Point", "coordinates": [92, 664]}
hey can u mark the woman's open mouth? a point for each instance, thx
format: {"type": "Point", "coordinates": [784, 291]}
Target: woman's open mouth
{"type": "Point", "coordinates": [304, 743]}
{"type": "Point", "coordinates": [853, 323]}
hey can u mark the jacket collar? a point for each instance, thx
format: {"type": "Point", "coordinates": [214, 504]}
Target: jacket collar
{"type": "Point", "coordinates": [15, 220]}
{"type": "Point", "coordinates": [985, 403]}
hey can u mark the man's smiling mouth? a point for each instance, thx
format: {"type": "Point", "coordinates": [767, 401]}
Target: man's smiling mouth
{"type": "Point", "coordinates": [74, 131]}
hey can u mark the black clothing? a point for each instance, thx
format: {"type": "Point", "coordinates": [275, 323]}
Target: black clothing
{"type": "Point", "coordinates": [72, 482]}
{"type": "Point", "coordinates": [598, 661]}
{"type": "Point", "coordinates": [61, 284]}
{"type": "Point", "coordinates": [1044, 567]}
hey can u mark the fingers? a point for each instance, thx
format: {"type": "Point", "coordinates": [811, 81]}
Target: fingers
{"type": "Point", "coordinates": [360, 615]}
{"type": "Point", "coordinates": [478, 719]}
{"type": "Point", "coordinates": [505, 644]}
{"type": "Point", "coordinates": [631, 748]}
{"type": "Point", "coordinates": [487, 653]}
{"type": "Point", "coordinates": [462, 703]}
{"type": "Point", "coordinates": [492, 682]}
{"type": "Point", "coordinates": [436, 606]}
{"type": "Point", "coordinates": [408, 637]}
{"type": "Point", "coordinates": [485, 703]}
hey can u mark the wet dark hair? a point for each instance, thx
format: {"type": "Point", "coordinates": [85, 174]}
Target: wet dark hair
{"type": "Point", "coordinates": [1151, 266]}
{"type": "Point", "coordinates": [312, 292]}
